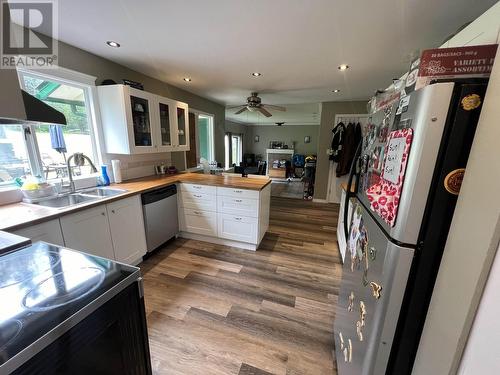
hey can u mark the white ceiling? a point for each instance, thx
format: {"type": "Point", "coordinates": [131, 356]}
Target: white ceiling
{"type": "Point", "coordinates": [296, 114]}
{"type": "Point", "coordinates": [296, 44]}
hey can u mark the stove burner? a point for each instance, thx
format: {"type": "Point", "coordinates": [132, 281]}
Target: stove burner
{"type": "Point", "coordinates": [9, 330]}
{"type": "Point", "coordinates": [63, 288]}
{"type": "Point", "coordinates": [18, 267]}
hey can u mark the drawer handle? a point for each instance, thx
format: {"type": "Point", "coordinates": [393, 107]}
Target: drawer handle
{"type": "Point", "coordinates": [238, 200]}
{"type": "Point", "coordinates": [238, 191]}
{"type": "Point", "coordinates": [197, 195]}
{"type": "Point", "coordinates": [197, 212]}
{"type": "Point", "coordinates": [196, 187]}
{"type": "Point", "coordinates": [237, 218]}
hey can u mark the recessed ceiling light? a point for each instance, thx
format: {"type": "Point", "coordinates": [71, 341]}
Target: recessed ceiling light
{"type": "Point", "coordinates": [343, 67]}
{"type": "Point", "coordinates": [113, 44]}
{"type": "Point", "coordinates": [256, 74]}
{"type": "Point", "coordinates": [336, 90]}
{"type": "Point", "coordinates": [187, 79]}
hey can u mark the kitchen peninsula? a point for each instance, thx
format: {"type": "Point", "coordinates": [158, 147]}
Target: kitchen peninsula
{"type": "Point", "coordinates": [219, 209]}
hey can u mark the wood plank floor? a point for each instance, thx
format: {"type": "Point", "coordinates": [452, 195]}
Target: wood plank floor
{"type": "Point", "coordinates": [213, 309]}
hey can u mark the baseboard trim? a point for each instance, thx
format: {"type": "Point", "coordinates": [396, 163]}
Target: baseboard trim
{"type": "Point", "coordinates": [218, 241]}
{"type": "Point", "coordinates": [316, 200]}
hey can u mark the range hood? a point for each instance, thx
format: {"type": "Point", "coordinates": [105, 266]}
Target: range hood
{"type": "Point", "coordinates": [19, 107]}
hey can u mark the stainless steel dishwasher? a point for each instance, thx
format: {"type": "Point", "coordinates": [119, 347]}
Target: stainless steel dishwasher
{"type": "Point", "coordinates": [160, 216]}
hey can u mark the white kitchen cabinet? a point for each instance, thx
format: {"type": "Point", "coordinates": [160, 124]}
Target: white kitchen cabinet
{"type": "Point", "coordinates": [238, 206]}
{"type": "Point", "coordinates": [88, 231]}
{"type": "Point", "coordinates": [231, 216]}
{"type": "Point", "coordinates": [49, 231]}
{"type": "Point", "coordinates": [238, 228]}
{"type": "Point", "coordinates": [197, 200]}
{"type": "Point", "coordinates": [180, 127]}
{"type": "Point", "coordinates": [198, 221]}
{"type": "Point", "coordinates": [138, 122]}
{"type": "Point", "coordinates": [126, 223]}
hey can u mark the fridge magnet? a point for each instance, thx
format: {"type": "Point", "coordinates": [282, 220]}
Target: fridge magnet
{"type": "Point", "coordinates": [362, 312]}
{"type": "Point", "coordinates": [384, 195]}
{"type": "Point", "coordinates": [307, 139]}
{"type": "Point", "coordinates": [256, 139]}
{"type": "Point", "coordinates": [359, 330]}
{"type": "Point", "coordinates": [351, 302]}
{"type": "Point", "coordinates": [471, 102]}
{"type": "Point", "coordinates": [376, 289]}
{"type": "Point", "coordinates": [453, 181]}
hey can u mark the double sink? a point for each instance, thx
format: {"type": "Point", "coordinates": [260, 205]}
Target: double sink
{"type": "Point", "coordinates": [79, 197]}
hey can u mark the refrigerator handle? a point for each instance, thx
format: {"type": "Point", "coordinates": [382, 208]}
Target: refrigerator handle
{"type": "Point", "coordinates": [352, 176]}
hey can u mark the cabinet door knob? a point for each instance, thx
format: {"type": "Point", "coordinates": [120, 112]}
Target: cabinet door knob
{"type": "Point", "coordinates": [237, 218]}
{"type": "Point", "coordinates": [238, 200]}
{"type": "Point", "coordinates": [103, 213]}
{"type": "Point", "coordinates": [113, 211]}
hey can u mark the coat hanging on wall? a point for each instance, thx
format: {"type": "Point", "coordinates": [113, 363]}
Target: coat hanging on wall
{"type": "Point", "coordinates": [351, 139]}
{"type": "Point", "coordinates": [337, 141]}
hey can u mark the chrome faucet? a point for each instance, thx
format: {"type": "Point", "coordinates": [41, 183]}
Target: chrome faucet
{"type": "Point", "coordinates": [79, 161]}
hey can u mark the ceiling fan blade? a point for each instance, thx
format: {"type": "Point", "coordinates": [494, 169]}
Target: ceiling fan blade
{"type": "Point", "coordinates": [240, 111]}
{"type": "Point", "coordinates": [275, 107]}
{"type": "Point", "coordinates": [264, 112]}
{"type": "Point", "coordinates": [236, 106]}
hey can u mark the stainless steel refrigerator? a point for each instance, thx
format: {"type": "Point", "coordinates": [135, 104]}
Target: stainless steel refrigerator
{"type": "Point", "coordinates": [391, 265]}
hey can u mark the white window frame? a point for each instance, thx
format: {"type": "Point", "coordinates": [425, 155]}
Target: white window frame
{"type": "Point", "coordinates": [76, 79]}
{"type": "Point", "coordinates": [211, 140]}
{"type": "Point", "coordinates": [240, 148]}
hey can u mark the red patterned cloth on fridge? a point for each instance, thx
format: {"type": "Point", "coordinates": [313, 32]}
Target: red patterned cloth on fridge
{"type": "Point", "coordinates": [384, 195]}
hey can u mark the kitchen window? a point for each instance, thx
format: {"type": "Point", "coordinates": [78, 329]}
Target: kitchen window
{"type": "Point", "coordinates": [205, 131]}
{"type": "Point", "coordinates": [42, 150]}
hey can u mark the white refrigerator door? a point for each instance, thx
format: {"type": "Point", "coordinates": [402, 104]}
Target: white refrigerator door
{"type": "Point", "coordinates": [426, 114]}
{"type": "Point", "coordinates": [373, 284]}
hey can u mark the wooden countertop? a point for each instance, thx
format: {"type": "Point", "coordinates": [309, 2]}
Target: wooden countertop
{"type": "Point", "coordinates": [18, 215]}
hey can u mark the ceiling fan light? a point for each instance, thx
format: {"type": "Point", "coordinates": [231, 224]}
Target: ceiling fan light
{"type": "Point", "coordinates": [343, 67]}
{"type": "Point", "coordinates": [256, 74]}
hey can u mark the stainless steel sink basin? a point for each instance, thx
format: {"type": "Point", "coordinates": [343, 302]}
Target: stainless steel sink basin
{"type": "Point", "coordinates": [82, 196]}
{"type": "Point", "coordinates": [102, 192]}
{"type": "Point", "coordinates": [67, 200]}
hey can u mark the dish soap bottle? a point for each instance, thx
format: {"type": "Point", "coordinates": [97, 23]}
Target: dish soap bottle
{"type": "Point", "coordinates": [103, 178]}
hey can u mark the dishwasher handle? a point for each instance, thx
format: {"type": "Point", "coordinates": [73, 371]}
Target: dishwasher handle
{"type": "Point", "coordinates": [158, 194]}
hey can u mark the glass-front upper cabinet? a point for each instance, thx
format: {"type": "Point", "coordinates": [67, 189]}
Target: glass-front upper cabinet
{"type": "Point", "coordinates": [165, 124]}
{"type": "Point", "coordinates": [182, 124]}
{"type": "Point", "coordinates": [138, 122]}
{"type": "Point", "coordinates": [141, 122]}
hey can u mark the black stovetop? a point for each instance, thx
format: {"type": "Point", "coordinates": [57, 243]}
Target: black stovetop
{"type": "Point", "coordinates": [42, 286]}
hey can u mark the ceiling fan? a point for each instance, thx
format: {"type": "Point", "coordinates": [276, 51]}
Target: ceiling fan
{"type": "Point", "coordinates": [254, 104]}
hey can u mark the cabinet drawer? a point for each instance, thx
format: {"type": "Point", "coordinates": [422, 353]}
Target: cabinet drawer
{"type": "Point", "coordinates": [49, 231]}
{"type": "Point", "coordinates": [238, 228]}
{"type": "Point", "coordinates": [198, 221]}
{"type": "Point", "coordinates": [238, 206]}
{"type": "Point", "coordinates": [196, 188]}
{"type": "Point", "coordinates": [240, 193]}
{"type": "Point", "coordinates": [197, 200]}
